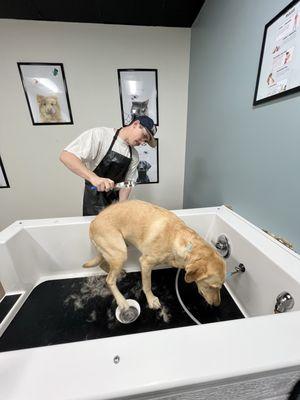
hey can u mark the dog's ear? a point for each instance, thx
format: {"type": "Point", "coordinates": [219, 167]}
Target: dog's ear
{"type": "Point", "coordinates": [39, 98]}
{"type": "Point", "coordinates": [195, 271]}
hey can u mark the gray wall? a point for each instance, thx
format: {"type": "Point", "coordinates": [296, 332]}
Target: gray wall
{"type": "Point", "coordinates": [236, 154]}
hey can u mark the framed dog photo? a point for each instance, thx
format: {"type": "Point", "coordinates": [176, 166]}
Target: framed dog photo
{"type": "Point", "coordinates": [148, 171]}
{"type": "Point", "coordinates": [3, 178]}
{"type": "Point", "coordinates": [46, 93]}
{"type": "Point", "coordinates": [279, 66]}
{"type": "Point", "coordinates": [138, 94]}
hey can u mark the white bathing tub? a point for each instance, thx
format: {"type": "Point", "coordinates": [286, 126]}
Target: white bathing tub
{"type": "Point", "coordinates": [255, 357]}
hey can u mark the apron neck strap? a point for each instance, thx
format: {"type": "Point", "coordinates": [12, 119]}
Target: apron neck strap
{"type": "Point", "coordinates": [115, 138]}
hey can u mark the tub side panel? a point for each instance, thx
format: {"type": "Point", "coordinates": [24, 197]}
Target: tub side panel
{"type": "Point", "coordinates": [70, 247]}
{"type": "Point", "coordinates": [8, 275]}
{"type": "Point", "coordinates": [257, 288]}
{"type": "Point", "coordinates": [28, 259]}
{"type": "Point", "coordinates": [68, 244]}
{"type": "Point", "coordinates": [199, 222]}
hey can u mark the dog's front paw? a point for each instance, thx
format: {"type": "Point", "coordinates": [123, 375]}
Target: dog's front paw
{"type": "Point", "coordinates": [154, 303]}
{"type": "Point", "coordinates": [124, 306]}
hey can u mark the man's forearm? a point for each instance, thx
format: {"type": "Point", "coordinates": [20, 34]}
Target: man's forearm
{"type": "Point", "coordinates": [124, 194]}
{"type": "Point", "coordinates": [76, 165]}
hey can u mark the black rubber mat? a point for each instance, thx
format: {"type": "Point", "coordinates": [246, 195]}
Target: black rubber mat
{"type": "Point", "coordinates": [69, 310]}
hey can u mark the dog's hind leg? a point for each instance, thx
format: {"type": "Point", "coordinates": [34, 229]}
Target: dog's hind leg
{"type": "Point", "coordinates": [146, 267]}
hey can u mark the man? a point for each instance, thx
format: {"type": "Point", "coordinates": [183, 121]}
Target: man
{"type": "Point", "coordinates": [104, 157]}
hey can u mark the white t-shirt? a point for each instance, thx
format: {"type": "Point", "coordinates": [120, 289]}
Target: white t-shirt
{"type": "Point", "coordinates": [92, 145]}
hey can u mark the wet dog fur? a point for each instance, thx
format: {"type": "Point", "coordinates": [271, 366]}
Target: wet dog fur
{"type": "Point", "coordinates": [162, 238]}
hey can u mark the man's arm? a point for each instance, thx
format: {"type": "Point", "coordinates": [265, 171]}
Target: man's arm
{"type": "Point", "coordinates": [131, 175]}
{"type": "Point", "coordinates": [124, 194]}
{"type": "Point", "coordinates": [77, 166]}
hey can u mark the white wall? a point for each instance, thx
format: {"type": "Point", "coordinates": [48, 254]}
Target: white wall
{"type": "Point", "coordinates": [41, 186]}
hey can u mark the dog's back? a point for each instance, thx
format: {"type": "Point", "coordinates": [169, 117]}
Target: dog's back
{"type": "Point", "coordinates": [140, 223]}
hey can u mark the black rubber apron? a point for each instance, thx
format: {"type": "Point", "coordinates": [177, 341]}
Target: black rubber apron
{"type": "Point", "coordinates": [113, 166]}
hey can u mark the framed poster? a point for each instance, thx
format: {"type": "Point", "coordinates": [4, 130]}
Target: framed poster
{"type": "Point", "coordinates": [138, 94]}
{"type": "Point", "coordinates": [279, 64]}
{"type": "Point", "coordinates": [148, 171]}
{"type": "Point", "coordinates": [46, 93]}
{"type": "Point", "coordinates": [3, 178]}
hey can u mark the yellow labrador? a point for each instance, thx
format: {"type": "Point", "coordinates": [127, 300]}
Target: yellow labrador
{"type": "Point", "coordinates": [162, 238]}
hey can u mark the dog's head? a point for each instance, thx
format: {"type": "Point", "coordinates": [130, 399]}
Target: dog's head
{"type": "Point", "coordinates": [49, 106]}
{"type": "Point", "coordinates": [209, 275]}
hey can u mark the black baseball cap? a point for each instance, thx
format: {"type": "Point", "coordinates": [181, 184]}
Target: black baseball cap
{"type": "Point", "coordinates": [148, 123]}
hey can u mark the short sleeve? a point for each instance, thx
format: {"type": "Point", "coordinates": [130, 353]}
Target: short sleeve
{"type": "Point", "coordinates": [88, 145]}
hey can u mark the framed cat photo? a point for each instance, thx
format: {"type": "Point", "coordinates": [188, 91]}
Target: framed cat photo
{"type": "Point", "coordinates": [3, 178]}
{"type": "Point", "coordinates": [46, 93]}
{"type": "Point", "coordinates": [138, 94]}
{"type": "Point", "coordinates": [148, 171]}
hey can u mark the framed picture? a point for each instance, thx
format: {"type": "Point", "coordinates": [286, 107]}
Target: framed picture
{"type": "Point", "coordinates": [46, 93]}
{"type": "Point", "coordinates": [279, 64]}
{"type": "Point", "coordinates": [138, 94]}
{"type": "Point", "coordinates": [148, 171]}
{"type": "Point", "coordinates": [3, 178]}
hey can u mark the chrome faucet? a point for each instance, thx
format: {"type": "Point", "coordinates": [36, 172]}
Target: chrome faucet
{"type": "Point", "coordinates": [222, 246]}
{"type": "Point", "coordinates": [240, 268]}
{"type": "Point", "coordinates": [284, 302]}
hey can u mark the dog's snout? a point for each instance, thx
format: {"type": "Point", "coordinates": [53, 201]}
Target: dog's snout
{"type": "Point", "coordinates": [212, 299]}
{"type": "Point", "coordinates": [217, 299]}
{"type": "Point", "coordinates": [51, 110]}
{"type": "Point", "coordinates": [217, 303]}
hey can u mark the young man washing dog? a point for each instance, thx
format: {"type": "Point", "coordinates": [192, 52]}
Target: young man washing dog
{"type": "Point", "coordinates": [106, 156]}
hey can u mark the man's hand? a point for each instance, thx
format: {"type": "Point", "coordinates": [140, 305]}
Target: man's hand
{"type": "Point", "coordinates": [102, 184]}
{"type": "Point", "coordinates": [76, 165]}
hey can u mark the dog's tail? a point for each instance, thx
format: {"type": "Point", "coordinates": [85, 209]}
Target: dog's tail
{"type": "Point", "coordinates": [98, 260]}
{"type": "Point", "coordinates": [93, 262]}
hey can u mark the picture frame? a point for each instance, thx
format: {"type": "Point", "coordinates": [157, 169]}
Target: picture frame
{"type": "Point", "coordinates": [138, 90]}
{"type": "Point", "coordinates": [148, 167]}
{"type": "Point", "coordinates": [279, 69]}
{"type": "Point", "coordinates": [46, 93]}
{"type": "Point", "coordinates": [3, 177]}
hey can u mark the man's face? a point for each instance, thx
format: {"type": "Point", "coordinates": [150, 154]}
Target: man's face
{"type": "Point", "coordinates": [139, 134]}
